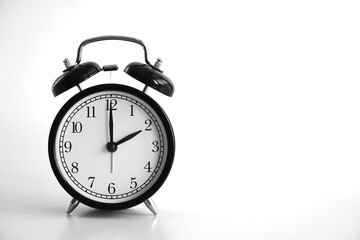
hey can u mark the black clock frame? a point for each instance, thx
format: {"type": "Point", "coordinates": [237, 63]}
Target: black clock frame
{"type": "Point", "coordinates": [168, 161]}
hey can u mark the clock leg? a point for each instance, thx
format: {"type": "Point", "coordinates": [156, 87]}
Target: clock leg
{"type": "Point", "coordinates": [73, 204]}
{"type": "Point", "coordinates": [150, 204]}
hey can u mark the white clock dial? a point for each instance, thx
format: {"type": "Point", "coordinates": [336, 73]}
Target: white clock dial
{"type": "Point", "coordinates": [110, 146]}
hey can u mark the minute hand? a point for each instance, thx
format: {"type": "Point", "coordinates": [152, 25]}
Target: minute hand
{"type": "Point", "coordinates": [128, 137]}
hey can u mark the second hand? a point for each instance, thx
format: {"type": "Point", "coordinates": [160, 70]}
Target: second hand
{"type": "Point", "coordinates": [112, 162]}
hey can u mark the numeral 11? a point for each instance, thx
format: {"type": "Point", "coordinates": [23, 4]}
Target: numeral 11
{"type": "Point", "coordinates": [90, 112]}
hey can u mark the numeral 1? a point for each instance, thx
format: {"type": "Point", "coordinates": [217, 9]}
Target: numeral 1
{"type": "Point", "coordinates": [131, 110]}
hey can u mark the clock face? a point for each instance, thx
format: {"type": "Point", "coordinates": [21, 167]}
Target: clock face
{"type": "Point", "coordinates": [111, 146]}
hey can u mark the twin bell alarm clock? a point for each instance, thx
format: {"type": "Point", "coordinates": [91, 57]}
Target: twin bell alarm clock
{"type": "Point", "coordinates": [111, 146]}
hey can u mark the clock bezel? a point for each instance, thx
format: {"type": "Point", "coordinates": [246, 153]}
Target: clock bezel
{"type": "Point", "coordinates": [168, 161]}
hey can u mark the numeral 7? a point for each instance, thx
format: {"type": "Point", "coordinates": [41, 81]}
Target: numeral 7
{"type": "Point", "coordinates": [92, 179]}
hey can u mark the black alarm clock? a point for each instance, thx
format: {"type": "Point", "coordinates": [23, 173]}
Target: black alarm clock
{"type": "Point", "coordinates": [111, 146]}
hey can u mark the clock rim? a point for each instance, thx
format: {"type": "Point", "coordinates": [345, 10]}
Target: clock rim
{"type": "Point", "coordinates": [168, 161]}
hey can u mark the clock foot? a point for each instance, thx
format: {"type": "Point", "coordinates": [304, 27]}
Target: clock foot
{"type": "Point", "coordinates": [73, 204]}
{"type": "Point", "coordinates": [150, 204]}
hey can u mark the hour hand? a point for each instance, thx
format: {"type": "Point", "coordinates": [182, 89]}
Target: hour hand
{"type": "Point", "coordinates": [128, 137]}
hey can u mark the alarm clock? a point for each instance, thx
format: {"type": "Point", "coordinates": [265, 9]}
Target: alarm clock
{"type": "Point", "coordinates": [111, 146]}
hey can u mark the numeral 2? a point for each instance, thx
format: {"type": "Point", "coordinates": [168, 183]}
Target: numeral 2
{"type": "Point", "coordinates": [148, 122]}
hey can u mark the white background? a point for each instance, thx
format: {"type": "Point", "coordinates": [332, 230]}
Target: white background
{"type": "Point", "coordinates": [266, 114]}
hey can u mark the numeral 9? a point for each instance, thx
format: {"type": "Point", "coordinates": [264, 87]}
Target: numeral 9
{"type": "Point", "coordinates": [67, 146]}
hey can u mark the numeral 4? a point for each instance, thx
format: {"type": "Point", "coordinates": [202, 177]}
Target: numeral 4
{"type": "Point", "coordinates": [148, 167]}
